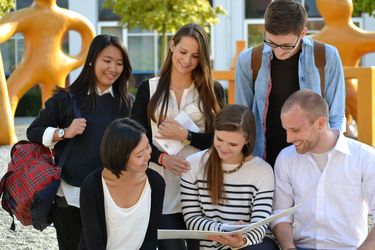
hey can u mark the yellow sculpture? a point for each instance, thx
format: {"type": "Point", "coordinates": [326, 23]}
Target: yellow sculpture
{"type": "Point", "coordinates": [351, 41]}
{"type": "Point", "coordinates": [43, 26]}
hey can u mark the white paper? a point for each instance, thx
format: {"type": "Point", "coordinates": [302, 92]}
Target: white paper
{"type": "Point", "coordinates": [186, 122]}
{"type": "Point", "coordinates": [170, 146]}
{"type": "Point", "coordinates": [201, 234]}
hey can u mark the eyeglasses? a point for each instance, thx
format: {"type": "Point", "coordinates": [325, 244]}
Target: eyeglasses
{"type": "Point", "coordinates": [282, 46]}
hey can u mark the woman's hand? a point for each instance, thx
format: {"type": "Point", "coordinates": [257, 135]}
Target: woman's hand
{"type": "Point", "coordinates": [77, 127]}
{"type": "Point", "coordinates": [176, 164]}
{"type": "Point", "coordinates": [234, 241]}
{"type": "Point", "coordinates": [171, 129]}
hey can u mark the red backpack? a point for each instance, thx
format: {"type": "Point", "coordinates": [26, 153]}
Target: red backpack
{"type": "Point", "coordinates": [31, 172]}
{"type": "Point", "coordinates": [29, 186]}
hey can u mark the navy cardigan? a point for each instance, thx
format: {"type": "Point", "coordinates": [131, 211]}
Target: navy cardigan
{"type": "Point", "coordinates": [94, 231]}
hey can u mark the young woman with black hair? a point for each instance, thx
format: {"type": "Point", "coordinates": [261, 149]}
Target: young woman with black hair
{"type": "Point", "coordinates": [121, 203]}
{"type": "Point", "coordinates": [101, 95]}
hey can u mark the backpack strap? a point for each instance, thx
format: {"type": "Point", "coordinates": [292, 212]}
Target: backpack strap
{"type": "Point", "coordinates": [256, 60]}
{"type": "Point", "coordinates": [77, 114]}
{"type": "Point", "coordinates": [76, 111]}
{"type": "Point", "coordinates": [320, 61]}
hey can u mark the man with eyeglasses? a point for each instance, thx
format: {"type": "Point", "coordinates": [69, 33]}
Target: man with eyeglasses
{"type": "Point", "coordinates": [287, 65]}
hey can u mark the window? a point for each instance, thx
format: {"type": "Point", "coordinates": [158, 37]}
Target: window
{"type": "Point", "coordinates": [255, 8]}
{"type": "Point", "coordinates": [106, 14]}
{"type": "Point", "coordinates": [144, 48]}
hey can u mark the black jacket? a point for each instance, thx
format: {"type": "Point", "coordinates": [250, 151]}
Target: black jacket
{"type": "Point", "coordinates": [84, 156]}
{"type": "Point", "coordinates": [94, 231]}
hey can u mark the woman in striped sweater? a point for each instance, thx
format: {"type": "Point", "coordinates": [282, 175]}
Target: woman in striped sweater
{"type": "Point", "coordinates": [228, 185]}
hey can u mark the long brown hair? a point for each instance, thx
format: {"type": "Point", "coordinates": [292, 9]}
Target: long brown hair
{"type": "Point", "coordinates": [233, 118]}
{"type": "Point", "coordinates": [201, 76]}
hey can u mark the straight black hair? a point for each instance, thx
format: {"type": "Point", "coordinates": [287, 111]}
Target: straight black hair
{"type": "Point", "coordinates": [86, 81]}
{"type": "Point", "coordinates": [119, 140]}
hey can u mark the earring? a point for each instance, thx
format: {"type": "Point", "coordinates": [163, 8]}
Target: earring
{"type": "Point", "coordinates": [90, 64]}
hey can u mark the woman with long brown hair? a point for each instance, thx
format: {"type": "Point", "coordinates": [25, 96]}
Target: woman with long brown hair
{"type": "Point", "coordinates": [185, 84]}
{"type": "Point", "coordinates": [228, 185]}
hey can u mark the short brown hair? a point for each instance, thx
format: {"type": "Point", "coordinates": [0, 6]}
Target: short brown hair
{"type": "Point", "coordinates": [283, 17]}
{"type": "Point", "coordinates": [311, 103]}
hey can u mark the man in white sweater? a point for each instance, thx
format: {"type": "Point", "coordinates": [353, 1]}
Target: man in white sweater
{"type": "Point", "coordinates": [331, 175]}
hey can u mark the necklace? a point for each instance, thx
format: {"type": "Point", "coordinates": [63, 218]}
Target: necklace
{"type": "Point", "coordinates": [235, 169]}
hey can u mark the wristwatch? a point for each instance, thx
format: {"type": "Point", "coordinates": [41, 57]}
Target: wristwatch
{"type": "Point", "coordinates": [60, 133]}
{"type": "Point", "coordinates": [187, 141]}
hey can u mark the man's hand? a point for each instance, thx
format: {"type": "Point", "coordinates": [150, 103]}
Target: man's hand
{"type": "Point", "coordinates": [176, 164]}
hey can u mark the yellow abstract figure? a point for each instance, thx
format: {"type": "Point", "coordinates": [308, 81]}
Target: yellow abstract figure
{"type": "Point", "coordinates": [43, 26]}
{"type": "Point", "coordinates": [351, 41]}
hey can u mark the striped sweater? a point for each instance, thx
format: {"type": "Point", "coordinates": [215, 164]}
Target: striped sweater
{"type": "Point", "coordinates": [248, 192]}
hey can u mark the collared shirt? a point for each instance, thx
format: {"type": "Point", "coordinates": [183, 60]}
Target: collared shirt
{"type": "Point", "coordinates": [70, 192]}
{"type": "Point", "coordinates": [335, 201]}
{"type": "Point", "coordinates": [309, 78]}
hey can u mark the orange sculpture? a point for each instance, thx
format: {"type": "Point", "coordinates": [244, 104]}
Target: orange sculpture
{"type": "Point", "coordinates": [43, 26]}
{"type": "Point", "coordinates": [351, 41]}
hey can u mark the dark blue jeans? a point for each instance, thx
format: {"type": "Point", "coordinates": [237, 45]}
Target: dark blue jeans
{"type": "Point", "coordinates": [267, 244]}
{"type": "Point", "coordinates": [175, 221]}
{"type": "Point", "coordinates": [68, 225]}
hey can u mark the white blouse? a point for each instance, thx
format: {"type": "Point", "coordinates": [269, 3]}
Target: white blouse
{"type": "Point", "coordinates": [189, 104]}
{"type": "Point", "coordinates": [126, 227]}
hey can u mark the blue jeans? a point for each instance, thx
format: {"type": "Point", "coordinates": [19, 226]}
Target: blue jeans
{"type": "Point", "coordinates": [175, 221]}
{"type": "Point", "coordinates": [267, 244]}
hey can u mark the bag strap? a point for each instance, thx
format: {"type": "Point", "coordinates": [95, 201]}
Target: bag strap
{"type": "Point", "coordinates": [76, 111]}
{"type": "Point", "coordinates": [320, 61]}
{"type": "Point", "coordinates": [319, 57]}
{"type": "Point", "coordinates": [256, 61]}
{"type": "Point", "coordinates": [76, 114]}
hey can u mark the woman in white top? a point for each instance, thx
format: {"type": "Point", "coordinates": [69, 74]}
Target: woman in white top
{"type": "Point", "coordinates": [228, 185]}
{"type": "Point", "coordinates": [185, 84]}
{"type": "Point", "coordinates": [121, 204]}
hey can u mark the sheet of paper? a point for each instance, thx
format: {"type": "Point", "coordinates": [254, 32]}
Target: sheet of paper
{"type": "Point", "coordinates": [186, 122]}
{"type": "Point", "coordinates": [200, 234]}
{"type": "Point", "coordinates": [172, 147]}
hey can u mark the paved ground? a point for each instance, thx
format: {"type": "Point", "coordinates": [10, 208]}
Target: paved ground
{"type": "Point", "coordinates": [23, 237]}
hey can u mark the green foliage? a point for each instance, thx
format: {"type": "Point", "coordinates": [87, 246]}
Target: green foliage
{"type": "Point", "coordinates": [30, 103]}
{"type": "Point", "coordinates": [364, 6]}
{"type": "Point", "coordinates": [163, 15]}
{"type": "Point", "coordinates": [6, 6]}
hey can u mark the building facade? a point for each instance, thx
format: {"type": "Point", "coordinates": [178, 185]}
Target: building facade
{"type": "Point", "coordinates": [244, 21]}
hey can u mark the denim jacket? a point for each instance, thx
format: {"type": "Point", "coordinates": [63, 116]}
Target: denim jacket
{"type": "Point", "coordinates": [309, 78]}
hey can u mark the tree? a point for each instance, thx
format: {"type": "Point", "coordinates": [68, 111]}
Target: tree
{"type": "Point", "coordinates": [164, 15]}
{"type": "Point", "coordinates": [364, 6]}
{"type": "Point", "coordinates": [6, 6]}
